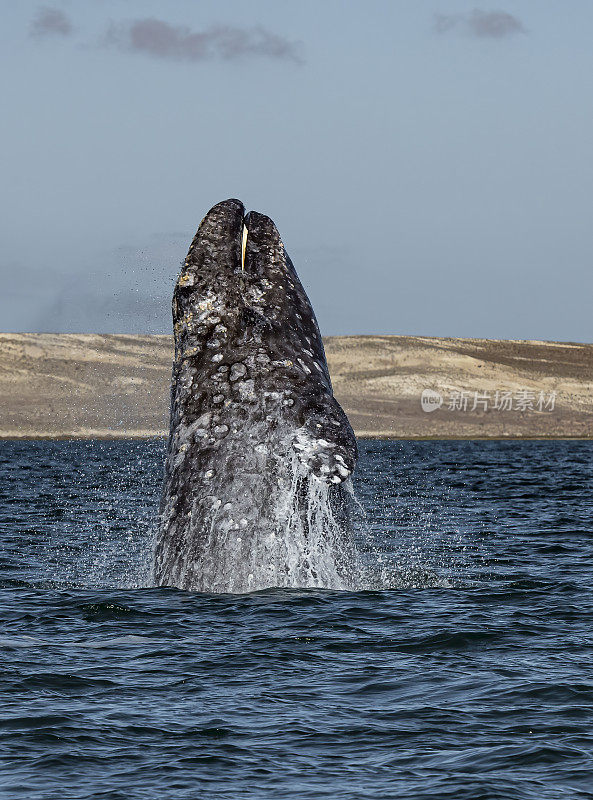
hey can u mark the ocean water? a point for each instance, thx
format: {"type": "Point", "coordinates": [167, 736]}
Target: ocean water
{"type": "Point", "coordinates": [462, 668]}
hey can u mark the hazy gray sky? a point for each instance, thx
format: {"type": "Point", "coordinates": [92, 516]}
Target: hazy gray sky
{"type": "Point", "coordinates": [428, 164]}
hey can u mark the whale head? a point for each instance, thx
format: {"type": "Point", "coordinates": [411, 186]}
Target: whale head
{"type": "Point", "coordinates": [246, 337]}
{"type": "Point", "coordinates": [238, 288]}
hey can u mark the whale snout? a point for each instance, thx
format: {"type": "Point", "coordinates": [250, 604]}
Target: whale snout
{"type": "Point", "coordinates": [217, 244]}
{"type": "Point", "coordinates": [238, 276]}
{"type": "Point", "coordinates": [263, 245]}
{"type": "Point", "coordinates": [229, 241]}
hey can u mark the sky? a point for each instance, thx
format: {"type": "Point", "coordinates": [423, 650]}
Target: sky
{"type": "Point", "coordinates": [428, 164]}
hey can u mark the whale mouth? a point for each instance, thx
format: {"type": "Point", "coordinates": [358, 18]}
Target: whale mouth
{"type": "Point", "coordinates": [243, 247]}
{"type": "Point", "coordinates": [231, 241]}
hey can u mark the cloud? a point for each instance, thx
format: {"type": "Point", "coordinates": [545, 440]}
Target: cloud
{"type": "Point", "coordinates": [51, 22]}
{"type": "Point", "coordinates": [154, 37]}
{"type": "Point", "coordinates": [483, 24]}
{"type": "Point", "coordinates": [496, 24]}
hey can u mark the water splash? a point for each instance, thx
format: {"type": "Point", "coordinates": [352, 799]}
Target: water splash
{"type": "Point", "coordinates": [312, 545]}
{"type": "Point", "coordinates": [291, 533]}
{"type": "Point", "coordinates": [417, 536]}
{"type": "Point", "coordinates": [95, 528]}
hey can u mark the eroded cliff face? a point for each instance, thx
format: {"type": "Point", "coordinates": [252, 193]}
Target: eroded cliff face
{"type": "Point", "coordinates": [73, 385]}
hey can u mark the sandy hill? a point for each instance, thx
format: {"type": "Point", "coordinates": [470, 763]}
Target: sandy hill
{"type": "Point", "coordinates": [118, 386]}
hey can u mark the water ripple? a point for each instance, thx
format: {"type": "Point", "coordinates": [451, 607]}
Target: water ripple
{"type": "Point", "coordinates": [463, 670]}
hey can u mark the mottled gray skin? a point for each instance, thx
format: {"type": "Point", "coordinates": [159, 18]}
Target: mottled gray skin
{"type": "Point", "coordinates": [250, 393]}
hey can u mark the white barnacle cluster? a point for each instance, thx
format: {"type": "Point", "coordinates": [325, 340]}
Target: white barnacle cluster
{"type": "Point", "coordinates": [220, 384]}
{"type": "Point", "coordinates": [237, 371]}
{"type": "Point", "coordinates": [262, 361]}
{"type": "Point", "coordinates": [255, 295]}
{"type": "Point", "coordinates": [247, 390]}
{"type": "Point", "coordinates": [283, 363]}
{"type": "Point", "coordinates": [184, 436]}
{"type": "Point", "coordinates": [208, 308]}
{"type": "Point", "coordinates": [199, 428]}
{"type": "Point", "coordinates": [320, 454]}
{"type": "Point", "coordinates": [304, 443]}
{"type": "Point", "coordinates": [185, 379]}
{"type": "Point", "coordinates": [341, 465]}
{"type": "Point", "coordinates": [186, 278]}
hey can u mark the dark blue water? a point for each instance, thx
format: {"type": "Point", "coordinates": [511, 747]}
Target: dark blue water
{"type": "Point", "coordinates": [466, 673]}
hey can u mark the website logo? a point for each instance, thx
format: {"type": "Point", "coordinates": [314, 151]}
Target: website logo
{"type": "Point", "coordinates": [431, 400]}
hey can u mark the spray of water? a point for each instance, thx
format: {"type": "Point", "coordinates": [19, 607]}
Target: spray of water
{"type": "Point", "coordinates": [401, 535]}
{"type": "Point", "coordinates": [292, 532]}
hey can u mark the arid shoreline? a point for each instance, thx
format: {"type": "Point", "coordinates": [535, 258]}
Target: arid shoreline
{"type": "Point", "coordinates": [75, 386]}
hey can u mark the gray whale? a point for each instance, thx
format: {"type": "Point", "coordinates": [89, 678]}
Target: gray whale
{"type": "Point", "coordinates": [260, 453]}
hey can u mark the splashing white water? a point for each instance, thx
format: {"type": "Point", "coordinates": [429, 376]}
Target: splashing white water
{"type": "Point", "coordinates": [294, 535]}
{"type": "Point", "coordinates": [309, 547]}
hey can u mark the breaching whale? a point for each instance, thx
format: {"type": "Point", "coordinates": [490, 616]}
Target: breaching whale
{"type": "Point", "coordinates": [259, 456]}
